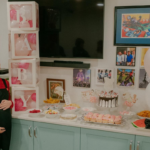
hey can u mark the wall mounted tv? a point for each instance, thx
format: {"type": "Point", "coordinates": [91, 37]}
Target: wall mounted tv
{"type": "Point", "coordinates": [71, 28]}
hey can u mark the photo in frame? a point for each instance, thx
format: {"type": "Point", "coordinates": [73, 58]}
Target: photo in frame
{"type": "Point", "coordinates": [126, 56]}
{"type": "Point", "coordinates": [143, 52]}
{"type": "Point", "coordinates": [126, 77]}
{"type": "Point", "coordinates": [54, 85]}
{"type": "Point", "coordinates": [132, 25]}
{"type": "Point", "coordinates": [101, 73]}
{"type": "Point", "coordinates": [82, 78]}
{"type": "Point", "coordinates": [143, 78]}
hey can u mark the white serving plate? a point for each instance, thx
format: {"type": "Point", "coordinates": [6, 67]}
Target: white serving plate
{"type": "Point", "coordinates": [142, 117]}
{"type": "Point", "coordinates": [68, 116]}
{"type": "Point", "coordinates": [88, 109]}
{"type": "Point", "coordinates": [34, 114]}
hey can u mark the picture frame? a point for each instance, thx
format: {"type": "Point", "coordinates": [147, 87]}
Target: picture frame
{"type": "Point", "coordinates": [126, 56]}
{"type": "Point", "coordinates": [51, 85]}
{"type": "Point", "coordinates": [142, 55]}
{"type": "Point", "coordinates": [126, 77]}
{"type": "Point", "coordinates": [100, 74]}
{"type": "Point", "coordinates": [82, 78]}
{"type": "Point", "coordinates": [131, 26]}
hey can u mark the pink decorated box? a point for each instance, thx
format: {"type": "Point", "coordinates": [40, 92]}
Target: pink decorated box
{"type": "Point", "coordinates": [24, 44]}
{"type": "Point", "coordinates": [25, 99]}
{"type": "Point", "coordinates": [23, 15]}
{"type": "Point", "coordinates": [24, 72]}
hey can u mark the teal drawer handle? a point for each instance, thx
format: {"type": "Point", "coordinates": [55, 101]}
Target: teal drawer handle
{"type": "Point", "coordinates": [29, 131]}
{"type": "Point", "coordinates": [130, 145]}
{"type": "Point", "coordinates": [138, 145]}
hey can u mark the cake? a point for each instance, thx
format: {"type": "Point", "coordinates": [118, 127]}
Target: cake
{"type": "Point", "coordinates": [118, 119]}
{"type": "Point", "coordinates": [112, 119]}
{"type": "Point", "coordinates": [106, 118]}
{"type": "Point", "coordinates": [99, 118]}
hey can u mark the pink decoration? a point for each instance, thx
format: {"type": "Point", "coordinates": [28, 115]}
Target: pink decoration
{"type": "Point", "coordinates": [14, 65]}
{"type": "Point", "coordinates": [20, 49]}
{"type": "Point", "coordinates": [93, 99]}
{"type": "Point", "coordinates": [30, 23]}
{"type": "Point", "coordinates": [128, 104]}
{"type": "Point", "coordinates": [19, 105]}
{"type": "Point", "coordinates": [31, 104]}
{"type": "Point", "coordinates": [23, 65]}
{"type": "Point", "coordinates": [33, 97]}
{"type": "Point", "coordinates": [13, 14]}
{"type": "Point", "coordinates": [32, 38]}
{"type": "Point", "coordinates": [14, 80]}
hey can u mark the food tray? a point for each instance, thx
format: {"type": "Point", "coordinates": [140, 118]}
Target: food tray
{"type": "Point", "coordinates": [122, 124]}
{"type": "Point", "coordinates": [142, 117]}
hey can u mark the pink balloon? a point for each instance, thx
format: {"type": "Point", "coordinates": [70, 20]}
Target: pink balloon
{"type": "Point", "coordinates": [147, 62]}
{"type": "Point", "coordinates": [32, 38]}
{"type": "Point", "coordinates": [30, 23]}
{"type": "Point", "coordinates": [23, 65]}
{"type": "Point", "coordinates": [31, 104]}
{"type": "Point", "coordinates": [33, 97]}
{"type": "Point", "coordinates": [19, 49]}
{"type": "Point", "coordinates": [13, 14]}
{"type": "Point", "coordinates": [14, 80]}
{"type": "Point", "coordinates": [19, 105]}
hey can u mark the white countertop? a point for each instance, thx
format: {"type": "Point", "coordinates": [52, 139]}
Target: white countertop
{"type": "Point", "coordinates": [127, 128]}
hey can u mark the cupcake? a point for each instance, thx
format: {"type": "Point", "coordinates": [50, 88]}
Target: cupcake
{"type": "Point", "coordinates": [106, 118]}
{"type": "Point", "coordinates": [112, 119]}
{"type": "Point", "coordinates": [94, 117]}
{"type": "Point", "coordinates": [99, 118]}
{"type": "Point", "coordinates": [118, 119]}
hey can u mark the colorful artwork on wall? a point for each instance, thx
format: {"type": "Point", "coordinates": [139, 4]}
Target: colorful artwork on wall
{"type": "Point", "coordinates": [132, 25]}
{"type": "Point", "coordinates": [125, 77]}
{"type": "Point", "coordinates": [82, 78]}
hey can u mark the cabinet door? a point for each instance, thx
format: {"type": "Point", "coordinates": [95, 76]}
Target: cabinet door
{"type": "Point", "coordinates": [142, 143]}
{"type": "Point", "coordinates": [56, 137]}
{"type": "Point", "coordinates": [21, 136]}
{"type": "Point", "coordinates": [103, 140]}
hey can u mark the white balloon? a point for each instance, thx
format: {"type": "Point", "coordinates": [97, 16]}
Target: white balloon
{"type": "Point", "coordinates": [147, 62]}
{"type": "Point", "coordinates": [14, 24]}
{"type": "Point", "coordinates": [17, 94]}
{"type": "Point", "coordinates": [28, 80]}
{"type": "Point", "coordinates": [26, 11]}
{"type": "Point", "coordinates": [14, 72]}
{"type": "Point", "coordinates": [147, 95]}
{"type": "Point", "coordinates": [24, 24]}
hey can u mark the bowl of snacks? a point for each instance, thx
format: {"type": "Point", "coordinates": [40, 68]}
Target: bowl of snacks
{"type": "Point", "coordinates": [144, 114]}
{"type": "Point", "coordinates": [70, 109]}
{"type": "Point", "coordinates": [127, 114]}
{"type": "Point", "coordinates": [52, 113]}
{"type": "Point", "coordinates": [34, 112]}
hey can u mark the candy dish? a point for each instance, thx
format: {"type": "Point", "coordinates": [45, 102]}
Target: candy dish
{"type": "Point", "coordinates": [51, 106]}
{"type": "Point", "coordinates": [34, 112]}
{"type": "Point", "coordinates": [127, 114]}
{"type": "Point", "coordinates": [52, 113]}
{"type": "Point", "coordinates": [68, 116]}
{"type": "Point", "coordinates": [70, 109]}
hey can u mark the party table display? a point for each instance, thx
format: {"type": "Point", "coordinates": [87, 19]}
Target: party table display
{"type": "Point", "coordinates": [108, 99]}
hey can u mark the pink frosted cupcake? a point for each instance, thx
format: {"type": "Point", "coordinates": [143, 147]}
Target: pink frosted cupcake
{"type": "Point", "coordinates": [88, 116]}
{"type": "Point", "coordinates": [112, 119]}
{"type": "Point", "coordinates": [118, 120]}
{"type": "Point", "coordinates": [99, 118]}
{"type": "Point", "coordinates": [94, 117]}
{"type": "Point", "coordinates": [106, 118]}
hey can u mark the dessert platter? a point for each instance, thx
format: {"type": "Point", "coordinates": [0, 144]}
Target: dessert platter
{"type": "Point", "coordinates": [52, 113]}
{"type": "Point", "coordinates": [144, 114]}
{"type": "Point", "coordinates": [34, 112]}
{"type": "Point", "coordinates": [105, 119]}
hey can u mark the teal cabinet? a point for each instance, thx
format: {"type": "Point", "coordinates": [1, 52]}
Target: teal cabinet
{"type": "Point", "coordinates": [102, 140]}
{"type": "Point", "coordinates": [22, 135]}
{"type": "Point", "coordinates": [56, 137]}
{"type": "Point", "coordinates": [142, 143]}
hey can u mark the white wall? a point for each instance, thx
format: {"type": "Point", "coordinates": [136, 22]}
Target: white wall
{"type": "Point", "coordinates": [67, 73]}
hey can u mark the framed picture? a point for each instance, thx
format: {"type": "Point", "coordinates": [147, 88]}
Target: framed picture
{"type": "Point", "coordinates": [125, 77]}
{"type": "Point", "coordinates": [52, 86]}
{"type": "Point", "coordinates": [82, 78]}
{"type": "Point", "coordinates": [126, 56]}
{"type": "Point", "coordinates": [143, 78]}
{"type": "Point", "coordinates": [143, 52]}
{"type": "Point", "coordinates": [101, 73]}
{"type": "Point", "coordinates": [132, 25]}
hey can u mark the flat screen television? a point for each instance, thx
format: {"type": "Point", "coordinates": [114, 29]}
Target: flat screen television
{"type": "Point", "coordinates": [71, 28]}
